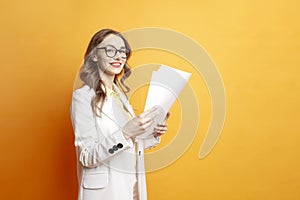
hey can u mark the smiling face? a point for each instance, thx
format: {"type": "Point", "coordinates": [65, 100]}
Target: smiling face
{"type": "Point", "coordinates": [110, 64]}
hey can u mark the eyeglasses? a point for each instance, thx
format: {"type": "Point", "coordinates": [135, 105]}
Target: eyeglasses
{"type": "Point", "coordinates": [111, 51]}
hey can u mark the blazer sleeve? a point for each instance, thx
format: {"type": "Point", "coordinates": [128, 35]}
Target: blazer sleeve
{"type": "Point", "coordinates": [92, 151]}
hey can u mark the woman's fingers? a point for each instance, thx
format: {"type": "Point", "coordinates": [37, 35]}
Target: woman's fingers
{"type": "Point", "coordinates": [146, 119]}
{"type": "Point", "coordinates": [162, 124]}
{"type": "Point", "coordinates": [146, 125]}
{"type": "Point", "coordinates": [149, 112]}
{"type": "Point", "coordinates": [168, 115]}
{"type": "Point", "coordinates": [160, 130]}
{"type": "Point", "coordinates": [148, 116]}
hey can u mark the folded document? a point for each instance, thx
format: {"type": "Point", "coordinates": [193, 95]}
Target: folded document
{"type": "Point", "coordinates": [165, 86]}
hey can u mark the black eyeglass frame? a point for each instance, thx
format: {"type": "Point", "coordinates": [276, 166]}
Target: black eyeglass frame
{"type": "Point", "coordinates": [116, 51]}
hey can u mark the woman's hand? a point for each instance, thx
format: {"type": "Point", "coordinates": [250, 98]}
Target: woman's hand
{"type": "Point", "coordinates": [141, 123]}
{"type": "Point", "coordinates": [161, 129]}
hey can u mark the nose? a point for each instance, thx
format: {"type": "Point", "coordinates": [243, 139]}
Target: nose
{"type": "Point", "coordinates": [118, 56]}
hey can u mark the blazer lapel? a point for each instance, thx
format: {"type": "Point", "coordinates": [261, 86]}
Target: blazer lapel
{"type": "Point", "coordinates": [125, 102]}
{"type": "Point", "coordinates": [107, 109]}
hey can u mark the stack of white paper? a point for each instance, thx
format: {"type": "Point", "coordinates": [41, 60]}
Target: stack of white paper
{"type": "Point", "coordinates": [165, 86]}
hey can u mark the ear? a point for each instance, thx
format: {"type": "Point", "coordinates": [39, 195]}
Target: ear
{"type": "Point", "coordinates": [95, 59]}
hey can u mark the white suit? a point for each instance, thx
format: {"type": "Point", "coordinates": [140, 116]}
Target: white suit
{"type": "Point", "coordinates": [107, 163]}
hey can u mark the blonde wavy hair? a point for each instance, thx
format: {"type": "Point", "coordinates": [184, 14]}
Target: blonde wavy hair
{"type": "Point", "coordinates": [89, 72]}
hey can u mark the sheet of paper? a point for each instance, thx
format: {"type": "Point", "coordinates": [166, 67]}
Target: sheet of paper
{"type": "Point", "coordinates": [165, 86]}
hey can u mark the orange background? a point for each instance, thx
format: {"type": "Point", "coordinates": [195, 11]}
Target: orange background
{"type": "Point", "coordinates": [255, 45]}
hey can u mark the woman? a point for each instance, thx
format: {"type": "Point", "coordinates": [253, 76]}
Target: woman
{"type": "Point", "coordinates": [109, 151]}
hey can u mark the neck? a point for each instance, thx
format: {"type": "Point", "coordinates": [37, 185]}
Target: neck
{"type": "Point", "coordinates": [108, 81]}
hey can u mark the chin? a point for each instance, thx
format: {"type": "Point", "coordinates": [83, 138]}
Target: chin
{"type": "Point", "coordinates": [116, 71]}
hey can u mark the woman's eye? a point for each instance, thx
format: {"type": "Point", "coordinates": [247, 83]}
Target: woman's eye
{"type": "Point", "coordinates": [110, 50]}
{"type": "Point", "coordinates": [124, 50]}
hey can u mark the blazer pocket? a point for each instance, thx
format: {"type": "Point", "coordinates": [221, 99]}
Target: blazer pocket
{"type": "Point", "coordinates": [95, 180]}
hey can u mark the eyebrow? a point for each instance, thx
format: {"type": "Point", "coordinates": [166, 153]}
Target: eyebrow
{"type": "Point", "coordinates": [114, 46]}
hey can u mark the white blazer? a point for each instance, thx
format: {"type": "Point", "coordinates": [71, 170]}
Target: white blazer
{"type": "Point", "coordinates": [106, 162]}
